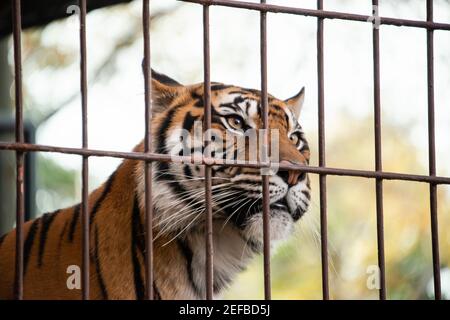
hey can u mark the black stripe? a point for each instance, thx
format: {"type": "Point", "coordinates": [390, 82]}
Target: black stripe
{"type": "Point", "coordinates": [2, 238]}
{"type": "Point", "coordinates": [101, 282]}
{"type": "Point", "coordinates": [73, 222]}
{"type": "Point", "coordinates": [187, 252]}
{"type": "Point", "coordinates": [198, 103]}
{"type": "Point", "coordinates": [305, 146]}
{"type": "Point", "coordinates": [61, 236]}
{"type": "Point", "coordinates": [47, 220]}
{"type": "Point", "coordinates": [105, 192]}
{"type": "Point", "coordinates": [198, 99]}
{"type": "Point", "coordinates": [164, 79]}
{"type": "Point", "coordinates": [63, 231]}
{"type": "Point", "coordinates": [29, 243]}
{"type": "Point", "coordinates": [161, 148]}
{"type": "Point", "coordinates": [197, 150]}
{"type": "Point", "coordinates": [255, 183]}
{"type": "Point", "coordinates": [245, 91]}
{"type": "Point", "coordinates": [231, 106]}
{"type": "Point", "coordinates": [188, 122]}
{"type": "Point", "coordinates": [136, 244]}
{"type": "Point", "coordinates": [307, 194]}
{"type": "Point", "coordinates": [156, 293]}
{"type": "Point", "coordinates": [247, 106]}
{"type": "Point", "coordinates": [187, 171]}
{"type": "Point", "coordinates": [238, 99]}
{"type": "Point", "coordinates": [219, 86]}
{"type": "Point", "coordinates": [286, 117]}
{"type": "Point", "coordinates": [214, 112]}
{"type": "Point", "coordinates": [218, 120]}
{"type": "Point", "coordinates": [219, 169]}
{"type": "Point", "coordinates": [236, 154]}
{"type": "Point", "coordinates": [302, 176]}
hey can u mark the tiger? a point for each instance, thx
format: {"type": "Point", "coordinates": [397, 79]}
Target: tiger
{"type": "Point", "coordinates": [53, 242]}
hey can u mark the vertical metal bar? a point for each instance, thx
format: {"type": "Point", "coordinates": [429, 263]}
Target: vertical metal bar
{"type": "Point", "coordinates": [208, 173]}
{"type": "Point", "coordinates": [148, 148]}
{"type": "Point", "coordinates": [265, 178]}
{"type": "Point", "coordinates": [20, 156]}
{"type": "Point", "coordinates": [322, 177]}
{"type": "Point", "coordinates": [378, 155]}
{"type": "Point", "coordinates": [85, 163]}
{"type": "Point", "coordinates": [432, 156]}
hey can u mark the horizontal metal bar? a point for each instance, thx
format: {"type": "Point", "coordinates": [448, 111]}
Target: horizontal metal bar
{"type": "Point", "coordinates": [212, 161]}
{"type": "Point", "coordinates": [323, 14]}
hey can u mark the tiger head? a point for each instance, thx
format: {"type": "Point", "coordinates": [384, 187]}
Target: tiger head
{"type": "Point", "coordinates": [179, 195]}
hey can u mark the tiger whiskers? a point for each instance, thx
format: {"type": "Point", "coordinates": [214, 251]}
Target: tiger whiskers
{"type": "Point", "coordinates": [191, 205]}
{"type": "Point", "coordinates": [200, 212]}
{"type": "Point", "coordinates": [234, 212]}
{"type": "Point", "coordinates": [191, 200]}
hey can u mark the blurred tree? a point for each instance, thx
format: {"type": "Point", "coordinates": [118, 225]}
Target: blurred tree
{"type": "Point", "coordinates": [57, 186]}
{"type": "Point", "coordinates": [6, 158]}
{"type": "Point", "coordinates": [296, 268]}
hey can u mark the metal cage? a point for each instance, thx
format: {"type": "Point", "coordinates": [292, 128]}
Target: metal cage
{"type": "Point", "coordinates": [21, 148]}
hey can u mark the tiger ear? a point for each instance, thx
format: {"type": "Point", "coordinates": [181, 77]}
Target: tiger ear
{"type": "Point", "coordinates": [295, 103]}
{"type": "Point", "coordinates": [163, 95]}
{"type": "Point", "coordinates": [164, 91]}
{"type": "Point", "coordinates": [162, 78]}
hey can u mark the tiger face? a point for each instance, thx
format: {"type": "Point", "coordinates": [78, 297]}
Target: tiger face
{"type": "Point", "coordinates": [236, 191]}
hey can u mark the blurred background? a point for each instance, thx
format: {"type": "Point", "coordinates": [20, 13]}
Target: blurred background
{"type": "Point", "coordinates": [116, 112]}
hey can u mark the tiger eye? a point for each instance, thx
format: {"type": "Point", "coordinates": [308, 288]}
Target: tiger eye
{"type": "Point", "coordinates": [295, 138]}
{"type": "Point", "coordinates": [236, 123]}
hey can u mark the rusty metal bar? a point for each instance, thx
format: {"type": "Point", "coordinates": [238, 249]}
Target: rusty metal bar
{"type": "Point", "coordinates": [378, 154]}
{"type": "Point", "coordinates": [265, 177]}
{"type": "Point", "coordinates": [148, 147]}
{"type": "Point", "coordinates": [20, 156]}
{"type": "Point", "coordinates": [215, 161]}
{"type": "Point", "coordinates": [322, 14]}
{"type": "Point", "coordinates": [148, 156]}
{"type": "Point", "coordinates": [85, 163]}
{"type": "Point", "coordinates": [322, 161]}
{"type": "Point", "coordinates": [432, 156]}
{"type": "Point", "coordinates": [209, 250]}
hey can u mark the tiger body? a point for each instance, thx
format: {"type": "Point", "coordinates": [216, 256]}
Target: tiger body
{"type": "Point", "coordinates": [117, 247]}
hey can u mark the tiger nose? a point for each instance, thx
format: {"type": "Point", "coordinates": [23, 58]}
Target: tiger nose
{"type": "Point", "coordinates": [291, 177]}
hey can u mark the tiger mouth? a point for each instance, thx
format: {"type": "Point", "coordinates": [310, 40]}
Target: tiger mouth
{"type": "Point", "coordinates": [280, 205]}
{"type": "Point", "coordinates": [241, 214]}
